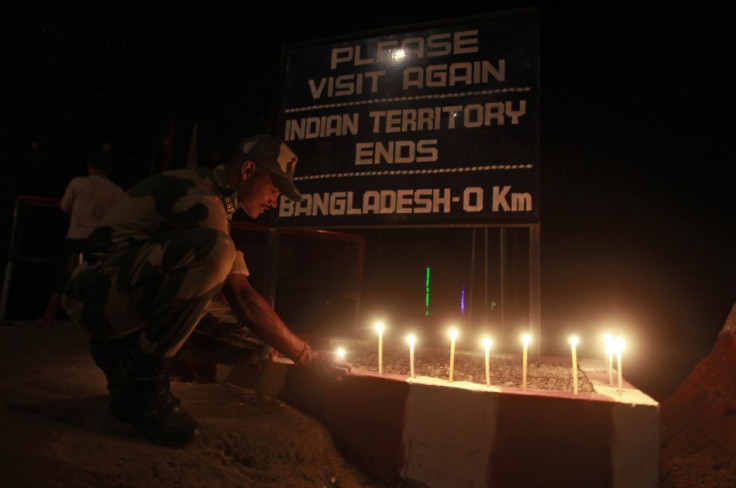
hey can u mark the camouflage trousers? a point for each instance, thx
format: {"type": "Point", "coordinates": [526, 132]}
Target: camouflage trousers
{"type": "Point", "coordinates": [169, 291]}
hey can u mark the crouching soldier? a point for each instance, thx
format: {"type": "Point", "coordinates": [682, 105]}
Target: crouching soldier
{"type": "Point", "coordinates": [152, 268]}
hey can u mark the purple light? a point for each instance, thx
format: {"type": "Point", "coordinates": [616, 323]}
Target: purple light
{"type": "Point", "coordinates": [462, 301]}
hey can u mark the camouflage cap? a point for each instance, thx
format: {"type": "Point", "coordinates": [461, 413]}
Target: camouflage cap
{"type": "Point", "coordinates": [274, 155]}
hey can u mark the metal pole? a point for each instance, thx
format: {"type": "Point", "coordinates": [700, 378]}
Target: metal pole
{"type": "Point", "coordinates": [272, 266]}
{"type": "Point", "coordinates": [485, 279]}
{"type": "Point", "coordinates": [192, 156]}
{"type": "Point", "coordinates": [6, 291]}
{"type": "Point", "coordinates": [472, 279]}
{"type": "Point", "coordinates": [535, 291]}
{"type": "Point", "coordinates": [12, 253]}
{"type": "Point", "coordinates": [502, 271]}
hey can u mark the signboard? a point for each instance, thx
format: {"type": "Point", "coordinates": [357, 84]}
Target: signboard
{"type": "Point", "coordinates": [434, 125]}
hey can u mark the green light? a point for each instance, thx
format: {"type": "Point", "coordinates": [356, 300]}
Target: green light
{"type": "Point", "coordinates": [426, 294]}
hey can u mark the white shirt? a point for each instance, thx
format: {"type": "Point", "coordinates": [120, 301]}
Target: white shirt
{"type": "Point", "coordinates": [88, 198]}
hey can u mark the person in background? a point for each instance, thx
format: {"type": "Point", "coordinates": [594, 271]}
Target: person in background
{"type": "Point", "coordinates": [152, 272]}
{"type": "Point", "coordinates": [85, 199]}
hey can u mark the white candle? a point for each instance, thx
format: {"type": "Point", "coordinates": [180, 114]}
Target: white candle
{"type": "Point", "coordinates": [609, 346]}
{"type": "Point", "coordinates": [573, 347]}
{"type": "Point", "coordinates": [411, 339]}
{"type": "Point", "coordinates": [526, 339]}
{"type": "Point", "coordinates": [453, 336]}
{"type": "Point", "coordinates": [487, 347]}
{"type": "Point", "coordinates": [379, 328]}
{"type": "Point", "coordinates": [620, 345]}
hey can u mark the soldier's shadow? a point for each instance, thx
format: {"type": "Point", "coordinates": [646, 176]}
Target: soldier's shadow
{"type": "Point", "coordinates": [90, 414]}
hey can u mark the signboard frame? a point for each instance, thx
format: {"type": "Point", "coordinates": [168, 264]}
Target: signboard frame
{"type": "Point", "coordinates": [425, 125]}
{"type": "Point", "coordinates": [433, 124]}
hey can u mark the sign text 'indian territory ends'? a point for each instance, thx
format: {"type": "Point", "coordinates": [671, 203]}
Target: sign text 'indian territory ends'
{"type": "Point", "coordinates": [414, 77]}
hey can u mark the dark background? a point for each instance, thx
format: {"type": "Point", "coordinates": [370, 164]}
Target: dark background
{"type": "Point", "coordinates": [637, 127]}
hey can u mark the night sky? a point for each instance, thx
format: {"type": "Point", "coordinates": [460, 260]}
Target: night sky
{"type": "Point", "coordinates": [637, 128]}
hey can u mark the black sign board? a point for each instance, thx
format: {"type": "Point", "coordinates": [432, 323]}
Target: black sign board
{"type": "Point", "coordinates": [433, 125]}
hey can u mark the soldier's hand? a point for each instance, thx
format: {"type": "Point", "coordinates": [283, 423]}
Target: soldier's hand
{"type": "Point", "coordinates": [328, 365]}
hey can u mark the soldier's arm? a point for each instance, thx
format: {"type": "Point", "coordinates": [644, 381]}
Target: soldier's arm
{"type": "Point", "coordinates": [251, 308]}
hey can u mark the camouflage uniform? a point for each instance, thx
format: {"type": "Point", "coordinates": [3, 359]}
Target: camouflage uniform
{"type": "Point", "coordinates": [156, 262]}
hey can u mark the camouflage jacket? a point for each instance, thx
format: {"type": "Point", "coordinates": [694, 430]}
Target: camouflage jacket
{"type": "Point", "coordinates": [162, 205]}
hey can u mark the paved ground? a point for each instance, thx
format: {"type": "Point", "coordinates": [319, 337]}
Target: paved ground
{"type": "Point", "coordinates": [57, 431]}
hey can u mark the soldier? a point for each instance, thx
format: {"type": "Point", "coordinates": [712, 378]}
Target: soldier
{"type": "Point", "coordinates": [152, 268]}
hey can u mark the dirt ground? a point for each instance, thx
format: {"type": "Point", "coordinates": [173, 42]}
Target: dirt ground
{"type": "Point", "coordinates": [56, 431]}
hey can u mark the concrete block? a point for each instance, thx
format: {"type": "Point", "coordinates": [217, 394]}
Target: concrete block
{"type": "Point", "coordinates": [443, 435]}
{"type": "Point", "coordinates": [448, 435]}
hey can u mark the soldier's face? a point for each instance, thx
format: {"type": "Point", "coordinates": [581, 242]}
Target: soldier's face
{"type": "Point", "coordinates": [258, 194]}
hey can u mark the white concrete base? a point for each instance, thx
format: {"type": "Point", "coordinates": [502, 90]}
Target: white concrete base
{"type": "Point", "coordinates": [461, 434]}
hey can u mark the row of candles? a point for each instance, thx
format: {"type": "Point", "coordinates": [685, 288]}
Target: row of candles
{"type": "Point", "coordinates": [612, 346]}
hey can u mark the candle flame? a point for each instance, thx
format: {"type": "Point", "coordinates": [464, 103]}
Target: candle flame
{"type": "Point", "coordinates": [340, 352]}
{"type": "Point", "coordinates": [574, 340]}
{"type": "Point", "coordinates": [526, 339]}
{"type": "Point", "coordinates": [411, 339]}
{"type": "Point", "coordinates": [379, 327]}
{"type": "Point", "coordinates": [453, 334]}
{"type": "Point", "coordinates": [620, 344]}
{"type": "Point", "coordinates": [487, 342]}
{"type": "Point", "coordinates": [608, 343]}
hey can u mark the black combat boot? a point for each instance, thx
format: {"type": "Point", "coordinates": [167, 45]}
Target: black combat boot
{"type": "Point", "coordinates": [139, 391]}
{"type": "Point", "coordinates": [114, 359]}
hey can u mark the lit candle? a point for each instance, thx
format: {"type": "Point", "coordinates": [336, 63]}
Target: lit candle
{"type": "Point", "coordinates": [620, 345]}
{"type": "Point", "coordinates": [379, 328]}
{"type": "Point", "coordinates": [411, 339]}
{"type": "Point", "coordinates": [453, 336]}
{"type": "Point", "coordinates": [487, 347]}
{"type": "Point", "coordinates": [526, 339]}
{"type": "Point", "coordinates": [608, 343]}
{"type": "Point", "coordinates": [573, 346]}
{"type": "Point", "coordinates": [340, 353]}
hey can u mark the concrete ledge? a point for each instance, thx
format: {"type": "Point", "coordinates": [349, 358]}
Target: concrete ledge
{"type": "Point", "coordinates": [442, 434]}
